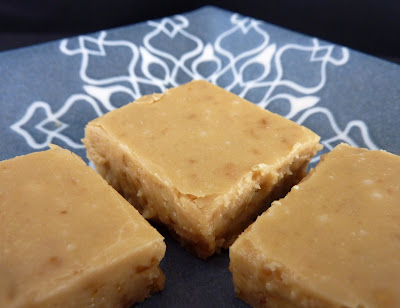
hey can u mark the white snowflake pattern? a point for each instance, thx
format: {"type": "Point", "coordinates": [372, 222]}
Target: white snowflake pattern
{"type": "Point", "coordinates": [258, 66]}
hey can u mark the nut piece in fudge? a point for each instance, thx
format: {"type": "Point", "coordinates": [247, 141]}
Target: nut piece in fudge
{"type": "Point", "coordinates": [333, 241]}
{"type": "Point", "coordinates": [201, 160]}
{"type": "Point", "coordinates": [68, 239]}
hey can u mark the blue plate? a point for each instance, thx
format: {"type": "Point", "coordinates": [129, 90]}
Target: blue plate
{"type": "Point", "coordinates": [50, 91]}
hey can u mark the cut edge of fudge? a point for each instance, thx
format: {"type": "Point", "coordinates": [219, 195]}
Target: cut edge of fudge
{"type": "Point", "coordinates": [257, 287]}
{"type": "Point", "coordinates": [237, 208]}
{"type": "Point", "coordinates": [120, 277]}
{"type": "Point", "coordinates": [264, 281]}
{"type": "Point", "coordinates": [232, 211]}
{"type": "Point", "coordinates": [137, 281]}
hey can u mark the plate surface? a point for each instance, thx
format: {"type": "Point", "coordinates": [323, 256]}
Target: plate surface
{"type": "Point", "coordinates": [50, 91]}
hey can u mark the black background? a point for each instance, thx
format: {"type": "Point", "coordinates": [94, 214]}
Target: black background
{"type": "Point", "coordinates": [370, 26]}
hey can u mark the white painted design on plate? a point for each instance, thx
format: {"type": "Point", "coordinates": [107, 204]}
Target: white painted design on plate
{"type": "Point", "coordinates": [52, 119]}
{"type": "Point", "coordinates": [241, 59]}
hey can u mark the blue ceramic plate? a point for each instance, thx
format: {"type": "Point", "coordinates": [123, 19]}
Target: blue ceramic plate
{"type": "Point", "coordinates": [50, 91]}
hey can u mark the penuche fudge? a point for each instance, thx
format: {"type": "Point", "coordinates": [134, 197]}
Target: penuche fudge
{"type": "Point", "coordinates": [199, 159]}
{"type": "Point", "coordinates": [333, 241]}
{"type": "Point", "coordinates": [68, 239]}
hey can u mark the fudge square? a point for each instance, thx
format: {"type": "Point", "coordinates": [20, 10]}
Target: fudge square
{"type": "Point", "coordinates": [68, 239]}
{"type": "Point", "coordinates": [201, 160]}
{"type": "Point", "coordinates": [333, 241]}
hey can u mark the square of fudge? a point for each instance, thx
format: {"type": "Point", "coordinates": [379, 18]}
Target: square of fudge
{"type": "Point", "coordinates": [199, 159]}
{"type": "Point", "coordinates": [333, 241]}
{"type": "Point", "coordinates": [68, 239]}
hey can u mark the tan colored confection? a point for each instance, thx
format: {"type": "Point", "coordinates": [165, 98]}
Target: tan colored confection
{"type": "Point", "coordinates": [201, 160]}
{"type": "Point", "coordinates": [333, 241]}
{"type": "Point", "coordinates": [68, 239]}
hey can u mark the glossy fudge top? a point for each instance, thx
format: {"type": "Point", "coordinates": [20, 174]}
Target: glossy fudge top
{"type": "Point", "coordinates": [60, 220]}
{"type": "Point", "coordinates": [339, 230]}
{"type": "Point", "coordinates": [201, 138]}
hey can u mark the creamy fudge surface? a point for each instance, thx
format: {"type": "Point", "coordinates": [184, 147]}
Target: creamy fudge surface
{"type": "Point", "coordinates": [333, 241]}
{"type": "Point", "coordinates": [203, 139]}
{"type": "Point", "coordinates": [203, 161]}
{"type": "Point", "coordinates": [68, 238]}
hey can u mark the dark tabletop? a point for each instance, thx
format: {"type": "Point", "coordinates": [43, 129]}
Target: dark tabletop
{"type": "Point", "coordinates": [370, 26]}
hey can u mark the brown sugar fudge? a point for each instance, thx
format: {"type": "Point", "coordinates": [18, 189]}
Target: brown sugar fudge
{"type": "Point", "coordinates": [333, 241]}
{"type": "Point", "coordinates": [68, 239]}
{"type": "Point", "coordinates": [201, 160]}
